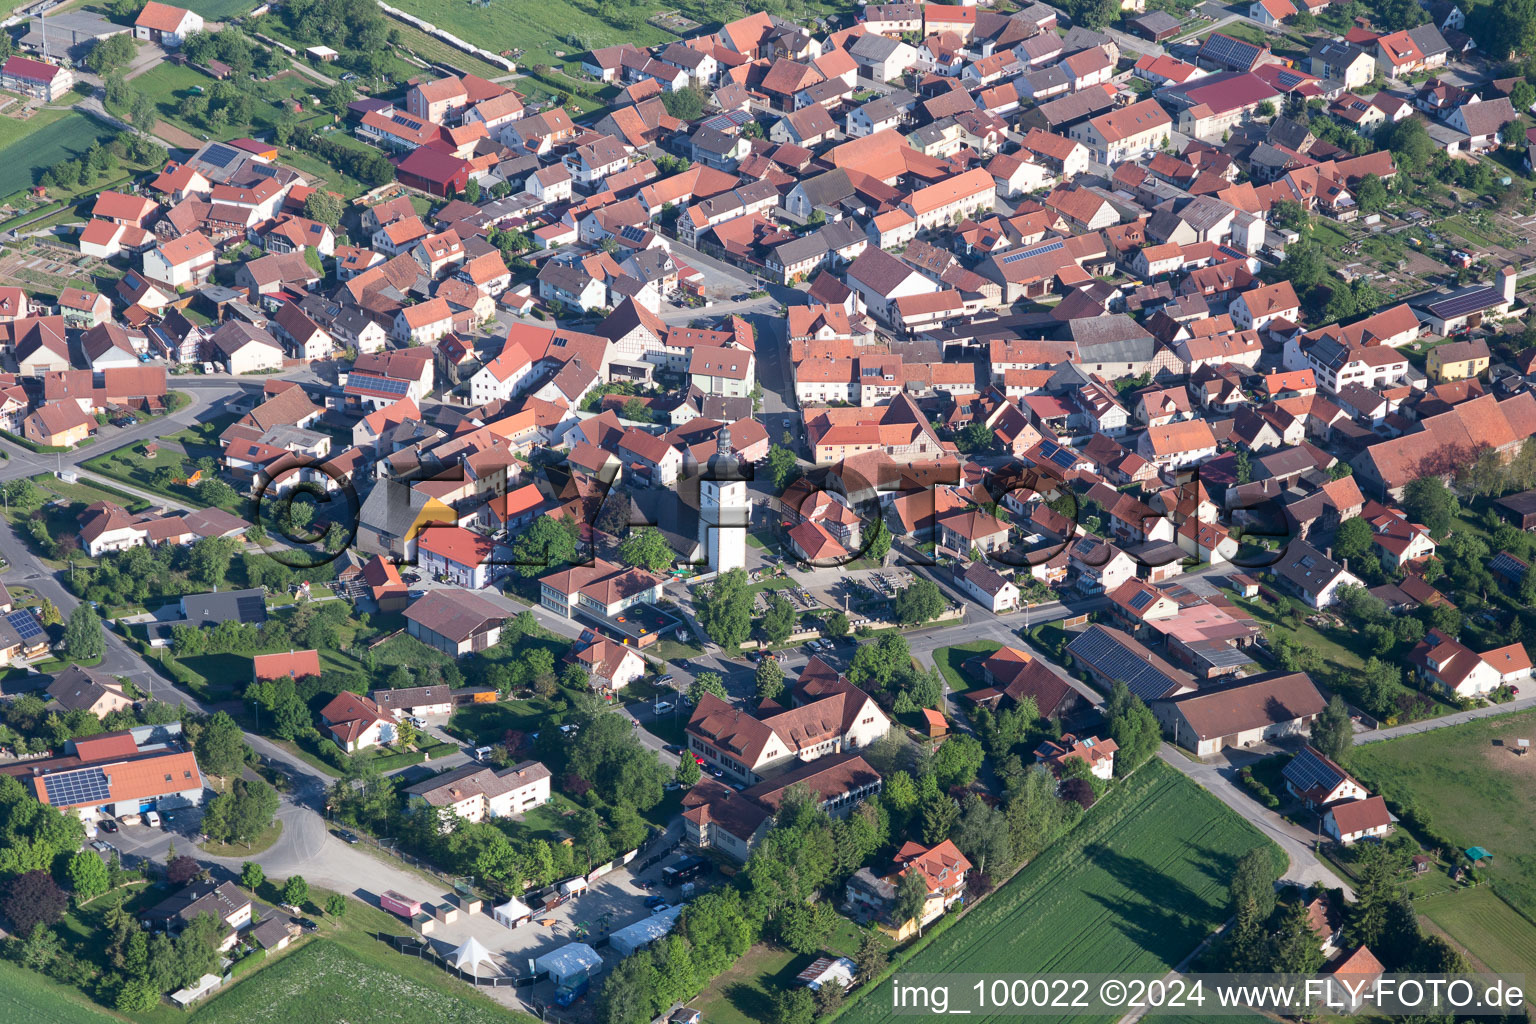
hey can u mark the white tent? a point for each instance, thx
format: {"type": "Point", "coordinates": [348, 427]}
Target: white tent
{"type": "Point", "coordinates": [512, 913]}
{"type": "Point", "coordinates": [469, 956]}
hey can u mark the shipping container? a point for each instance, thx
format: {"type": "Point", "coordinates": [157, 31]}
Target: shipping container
{"type": "Point", "coordinates": [398, 904]}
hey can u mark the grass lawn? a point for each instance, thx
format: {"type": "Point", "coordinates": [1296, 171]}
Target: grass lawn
{"type": "Point", "coordinates": [1138, 884]}
{"type": "Point", "coordinates": [220, 10]}
{"type": "Point", "coordinates": [26, 996]}
{"type": "Point", "coordinates": [744, 994]}
{"type": "Point", "coordinates": [258, 845]}
{"type": "Point", "coordinates": [327, 980]}
{"type": "Point", "coordinates": [949, 660]}
{"type": "Point", "coordinates": [485, 724]}
{"type": "Point", "coordinates": [1338, 649]}
{"type": "Point", "coordinates": [42, 141]}
{"type": "Point", "coordinates": [1487, 926]}
{"type": "Point", "coordinates": [539, 30]}
{"type": "Point", "coordinates": [1473, 791]}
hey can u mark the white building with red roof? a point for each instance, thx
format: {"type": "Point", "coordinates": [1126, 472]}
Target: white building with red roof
{"type": "Point", "coordinates": [356, 722]}
{"type": "Point", "coordinates": [460, 556]}
{"type": "Point", "coordinates": [169, 26]}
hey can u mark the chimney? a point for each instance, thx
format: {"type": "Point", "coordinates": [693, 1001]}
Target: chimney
{"type": "Point", "coordinates": [1507, 283]}
{"type": "Point", "coordinates": [1328, 553]}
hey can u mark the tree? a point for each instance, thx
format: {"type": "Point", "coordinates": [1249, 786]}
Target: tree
{"type": "Point", "coordinates": [1522, 96]}
{"type": "Point", "coordinates": [472, 191]}
{"type": "Point", "coordinates": [911, 898]}
{"type": "Point", "coordinates": [783, 467]}
{"type": "Point", "coordinates": [1332, 732]}
{"type": "Point", "coordinates": [181, 870]}
{"type": "Point", "coordinates": [976, 437]}
{"type": "Point", "coordinates": [1427, 500]}
{"type": "Point", "coordinates": [1293, 947]}
{"type": "Point", "coordinates": [1133, 727]}
{"type": "Point", "coordinates": [251, 875]}
{"type": "Point", "coordinates": [770, 680]}
{"type": "Point", "coordinates": [221, 748]}
{"type": "Point", "coordinates": [707, 682]}
{"type": "Point", "coordinates": [635, 409]}
{"type": "Point", "coordinates": [778, 621]}
{"type": "Point", "coordinates": [688, 770]}
{"type": "Point", "coordinates": [957, 761]}
{"type": "Point", "coordinates": [83, 636]}
{"type": "Point", "coordinates": [835, 625]}
{"type": "Point", "coordinates": [546, 545]}
{"type": "Point", "coordinates": [111, 53]}
{"type": "Point", "coordinates": [877, 540]}
{"type": "Point", "coordinates": [1371, 194]}
{"type": "Point", "coordinates": [870, 959]}
{"type": "Point", "coordinates": [647, 548]}
{"type": "Point", "coordinates": [88, 876]}
{"type": "Point", "coordinates": [804, 929]}
{"type": "Point", "coordinates": [33, 899]}
{"type": "Point", "coordinates": [982, 833]}
{"type": "Point", "coordinates": [685, 104]}
{"type": "Point", "coordinates": [1409, 141]}
{"type": "Point", "coordinates": [919, 602]}
{"type": "Point", "coordinates": [296, 891]}
{"type": "Point", "coordinates": [1353, 538]}
{"type": "Point", "coordinates": [725, 609]}
{"type": "Point", "coordinates": [335, 905]}
{"type": "Point", "coordinates": [881, 661]}
{"type": "Point", "coordinates": [324, 207]}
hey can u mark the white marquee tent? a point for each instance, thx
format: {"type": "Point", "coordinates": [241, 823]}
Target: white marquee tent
{"type": "Point", "coordinates": [470, 956]}
{"type": "Point", "coordinates": [512, 913]}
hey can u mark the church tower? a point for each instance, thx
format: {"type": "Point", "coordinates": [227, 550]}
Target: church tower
{"type": "Point", "coordinates": [725, 511]}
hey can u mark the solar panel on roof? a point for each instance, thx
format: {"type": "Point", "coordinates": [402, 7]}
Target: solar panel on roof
{"type": "Point", "coordinates": [1306, 771]}
{"type": "Point", "coordinates": [218, 154]}
{"type": "Point", "coordinates": [1034, 250]}
{"type": "Point", "coordinates": [1141, 600]}
{"type": "Point", "coordinates": [383, 385]}
{"type": "Point", "coordinates": [1142, 678]}
{"type": "Point", "coordinates": [25, 624]}
{"type": "Point", "coordinates": [251, 607]}
{"type": "Point", "coordinates": [84, 785]}
{"type": "Point", "coordinates": [1226, 50]}
{"type": "Point", "coordinates": [1460, 305]}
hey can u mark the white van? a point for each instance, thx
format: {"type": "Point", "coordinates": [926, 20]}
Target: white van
{"type": "Point", "coordinates": [152, 819]}
{"type": "Point", "coordinates": [482, 753]}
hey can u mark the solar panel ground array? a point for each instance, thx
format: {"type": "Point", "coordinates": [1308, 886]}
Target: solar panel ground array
{"type": "Point", "coordinates": [1136, 886]}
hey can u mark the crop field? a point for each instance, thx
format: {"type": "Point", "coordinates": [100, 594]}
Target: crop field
{"type": "Point", "coordinates": [33, 146]}
{"type": "Point", "coordinates": [1474, 789]}
{"type": "Point", "coordinates": [221, 10]}
{"type": "Point", "coordinates": [25, 996]}
{"type": "Point", "coordinates": [328, 981]}
{"type": "Point", "coordinates": [1490, 929]}
{"type": "Point", "coordinates": [1133, 889]}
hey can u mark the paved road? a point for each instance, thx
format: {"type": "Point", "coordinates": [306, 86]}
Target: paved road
{"type": "Point", "coordinates": [1456, 718]}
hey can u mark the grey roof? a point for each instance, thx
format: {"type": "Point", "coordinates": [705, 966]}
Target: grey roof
{"type": "Point", "coordinates": [1429, 40]}
{"type": "Point", "coordinates": [225, 606]}
{"type": "Point", "coordinates": [1306, 568]}
{"type": "Point", "coordinates": [1079, 38]}
{"type": "Point", "coordinates": [870, 47]}
{"type": "Point", "coordinates": [827, 189]}
{"type": "Point", "coordinates": [1108, 331]}
{"type": "Point", "coordinates": [1283, 131]}
{"type": "Point", "coordinates": [881, 109]}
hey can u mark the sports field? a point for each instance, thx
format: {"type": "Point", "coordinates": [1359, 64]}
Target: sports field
{"type": "Point", "coordinates": [25, 996]}
{"type": "Point", "coordinates": [1490, 929]}
{"type": "Point", "coordinates": [1133, 889]}
{"type": "Point", "coordinates": [1475, 790]}
{"type": "Point", "coordinates": [27, 148]}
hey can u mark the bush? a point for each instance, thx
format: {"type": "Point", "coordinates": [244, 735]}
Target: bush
{"type": "Point", "coordinates": [1258, 789]}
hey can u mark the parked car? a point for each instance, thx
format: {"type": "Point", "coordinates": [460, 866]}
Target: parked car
{"type": "Point", "coordinates": [657, 903]}
{"type": "Point", "coordinates": [662, 707]}
{"type": "Point", "coordinates": [107, 825]}
{"type": "Point", "coordinates": [664, 678]}
{"type": "Point", "coordinates": [348, 837]}
{"type": "Point", "coordinates": [717, 773]}
{"type": "Point", "coordinates": [152, 819]}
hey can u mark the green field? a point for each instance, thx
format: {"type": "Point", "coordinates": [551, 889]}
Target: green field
{"type": "Point", "coordinates": [31, 147]}
{"type": "Point", "coordinates": [950, 659]}
{"type": "Point", "coordinates": [331, 982]}
{"type": "Point", "coordinates": [25, 996]}
{"type": "Point", "coordinates": [221, 10]}
{"type": "Point", "coordinates": [1471, 790]}
{"type": "Point", "coordinates": [538, 29]}
{"type": "Point", "coordinates": [1492, 932]}
{"type": "Point", "coordinates": [1133, 889]}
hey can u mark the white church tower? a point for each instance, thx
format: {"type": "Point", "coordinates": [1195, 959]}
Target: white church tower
{"type": "Point", "coordinates": [725, 511]}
